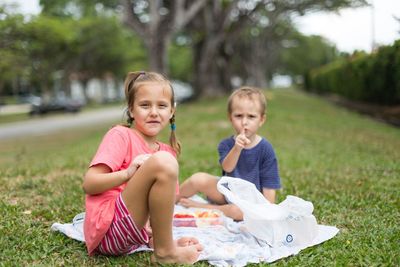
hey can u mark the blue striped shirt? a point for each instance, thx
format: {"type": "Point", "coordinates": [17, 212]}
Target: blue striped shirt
{"type": "Point", "coordinates": [257, 165]}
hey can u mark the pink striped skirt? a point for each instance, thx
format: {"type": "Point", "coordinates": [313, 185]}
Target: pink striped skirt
{"type": "Point", "coordinates": [123, 236]}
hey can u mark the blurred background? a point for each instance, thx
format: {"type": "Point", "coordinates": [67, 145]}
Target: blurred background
{"type": "Point", "coordinates": [63, 55]}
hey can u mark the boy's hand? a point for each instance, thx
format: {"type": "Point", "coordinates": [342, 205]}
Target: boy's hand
{"type": "Point", "coordinates": [241, 140]}
{"type": "Point", "coordinates": [136, 163]}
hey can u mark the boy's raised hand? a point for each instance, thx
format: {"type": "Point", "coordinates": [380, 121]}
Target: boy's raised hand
{"type": "Point", "coordinates": [136, 163]}
{"type": "Point", "coordinates": [241, 140]}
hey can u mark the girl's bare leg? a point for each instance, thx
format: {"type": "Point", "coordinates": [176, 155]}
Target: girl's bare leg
{"type": "Point", "coordinates": [151, 192]}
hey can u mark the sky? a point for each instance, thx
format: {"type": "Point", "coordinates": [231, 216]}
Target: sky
{"type": "Point", "coordinates": [356, 29]}
{"type": "Point", "coordinates": [349, 30]}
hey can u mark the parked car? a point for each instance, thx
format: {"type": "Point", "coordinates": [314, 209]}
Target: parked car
{"type": "Point", "coordinates": [183, 91]}
{"type": "Point", "coordinates": [29, 99]}
{"type": "Point", "coordinates": [56, 104]}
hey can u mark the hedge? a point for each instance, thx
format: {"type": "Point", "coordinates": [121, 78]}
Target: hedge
{"type": "Point", "coordinates": [373, 78]}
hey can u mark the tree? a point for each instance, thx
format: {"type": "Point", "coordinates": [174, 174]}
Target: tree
{"type": "Point", "coordinates": [50, 47]}
{"type": "Point", "coordinates": [305, 53]}
{"type": "Point", "coordinates": [221, 22]}
{"type": "Point", "coordinates": [13, 54]}
{"type": "Point", "coordinates": [156, 22]}
{"type": "Point", "coordinates": [104, 47]}
{"type": "Point", "coordinates": [76, 8]}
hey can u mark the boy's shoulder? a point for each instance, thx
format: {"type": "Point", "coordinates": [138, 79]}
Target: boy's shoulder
{"type": "Point", "coordinates": [266, 144]}
{"type": "Point", "coordinates": [228, 141]}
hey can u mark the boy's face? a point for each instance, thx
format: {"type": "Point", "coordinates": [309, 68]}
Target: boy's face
{"type": "Point", "coordinates": [246, 116]}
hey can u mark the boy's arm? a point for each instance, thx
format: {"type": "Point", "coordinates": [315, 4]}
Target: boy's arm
{"type": "Point", "coordinates": [269, 194]}
{"type": "Point", "coordinates": [231, 159]}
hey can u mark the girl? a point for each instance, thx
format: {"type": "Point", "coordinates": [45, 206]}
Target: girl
{"type": "Point", "coordinates": [133, 179]}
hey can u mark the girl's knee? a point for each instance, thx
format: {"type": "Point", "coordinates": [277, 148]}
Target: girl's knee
{"type": "Point", "coordinates": [165, 163]}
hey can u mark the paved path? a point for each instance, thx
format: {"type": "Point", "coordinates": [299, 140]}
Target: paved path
{"type": "Point", "coordinates": [54, 123]}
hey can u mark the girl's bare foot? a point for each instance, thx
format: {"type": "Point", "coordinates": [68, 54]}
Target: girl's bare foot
{"type": "Point", "coordinates": [189, 241]}
{"type": "Point", "coordinates": [186, 250]}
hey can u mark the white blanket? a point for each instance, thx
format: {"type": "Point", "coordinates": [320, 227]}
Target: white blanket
{"type": "Point", "coordinates": [224, 245]}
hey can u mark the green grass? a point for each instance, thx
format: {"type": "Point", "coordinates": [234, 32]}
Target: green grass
{"type": "Point", "coordinates": [14, 117]}
{"type": "Point", "coordinates": [346, 164]}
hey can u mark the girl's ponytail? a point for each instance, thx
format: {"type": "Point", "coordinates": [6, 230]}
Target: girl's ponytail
{"type": "Point", "coordinates": [130, 93]}
{"type": "Point", "coordinates": [176, 145]}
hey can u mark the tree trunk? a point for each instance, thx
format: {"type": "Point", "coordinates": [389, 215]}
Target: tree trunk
{"type": "Point", "coordinates": [85, 89]}
{"type": "Point", "coordinates": [208, 79]}
{"type": "Point", "coordinates": [161, 25]}
{"type": "Point", "coordinates": [158, 54]}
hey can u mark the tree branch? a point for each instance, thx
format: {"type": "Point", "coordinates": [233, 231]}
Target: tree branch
{"type": "Point", "coordinates": [184, 16]}
{"type": "Point", "coordinates": [131, 20]}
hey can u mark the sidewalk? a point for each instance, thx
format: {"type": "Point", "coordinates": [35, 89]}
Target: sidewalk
{"type": "Point", "coordinates": [14, 109]}
{"type": "Point", "coordinates": [48, 125]}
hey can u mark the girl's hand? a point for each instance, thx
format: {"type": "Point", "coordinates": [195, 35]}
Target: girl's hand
{"type": "Point", "coordinates": [136, 163]}
{"type": "Point", "coordinates": [241, 140]}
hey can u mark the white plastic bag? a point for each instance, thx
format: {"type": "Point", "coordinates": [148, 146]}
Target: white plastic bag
{"type": "Point", "coordinates": [288, 223]}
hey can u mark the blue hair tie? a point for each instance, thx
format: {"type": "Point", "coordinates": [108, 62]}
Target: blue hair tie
{"type": "Point", "coordinates": [173, 127]}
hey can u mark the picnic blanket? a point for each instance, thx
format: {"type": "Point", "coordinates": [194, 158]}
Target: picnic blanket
{"type": "Point", "coordinates": [229, 244]}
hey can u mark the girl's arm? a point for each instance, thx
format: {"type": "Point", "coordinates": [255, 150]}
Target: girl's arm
{"type": "Point", "coordinates": [99, 179]}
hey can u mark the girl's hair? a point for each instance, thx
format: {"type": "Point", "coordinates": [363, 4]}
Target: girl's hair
{"type": "Point", "coordinates": [133, 81]}
{"type": "Point", "coordinates": [251, 93]}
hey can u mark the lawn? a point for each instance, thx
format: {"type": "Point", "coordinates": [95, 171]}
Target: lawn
{"type": "Point", "coordinates": [346, 164]}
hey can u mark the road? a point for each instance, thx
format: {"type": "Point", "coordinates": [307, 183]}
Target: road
{"type": "Point", "coordinates": [54, 123]}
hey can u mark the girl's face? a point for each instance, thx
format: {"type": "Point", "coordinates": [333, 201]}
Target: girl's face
{"type": "Point", "coordinates": [152, 108]}
{"type": "Point", "coordinates": [246, 116]}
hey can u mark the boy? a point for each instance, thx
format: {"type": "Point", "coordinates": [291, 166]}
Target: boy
{"type": "Point", "coordinates": [246, 155]}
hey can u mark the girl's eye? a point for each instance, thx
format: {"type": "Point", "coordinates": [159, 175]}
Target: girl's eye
{"type": "Point", "coordinates": [144, 105]}
{"type": "Point", "coordinates": [163, 105]}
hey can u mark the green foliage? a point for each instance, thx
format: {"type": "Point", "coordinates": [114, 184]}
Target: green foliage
{"type": "Point", "coordinates": [181, 62]}
{"type": "Point", "coordinates": [50, 44]}
{"type": "Point", "coordinates": [104, 46]}
{"type": "Point", "coordinates": [305, 53]}
{"type": "Point", "coordinates": [76, 8]}
{"type": "Point", "coordinates": [32, 51]}
{"type": "Point", "coordinates": [13, 52]}
{"type": "Point", "coordinates": [346, 164]}
{"type": "Point", "coordinates": [372, 78]}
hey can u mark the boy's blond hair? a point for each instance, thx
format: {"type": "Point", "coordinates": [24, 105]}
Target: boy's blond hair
{"type": "Point", "coordinates": [251, 93]}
